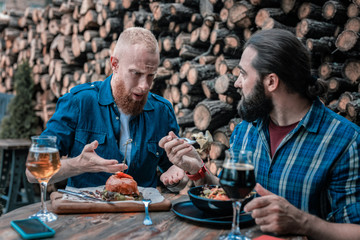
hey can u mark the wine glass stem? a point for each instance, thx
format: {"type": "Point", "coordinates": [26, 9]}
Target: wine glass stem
{"type": "Point", "coordinates": [43, 187]}
{"type": "Point", "coordinates": [235, 228]}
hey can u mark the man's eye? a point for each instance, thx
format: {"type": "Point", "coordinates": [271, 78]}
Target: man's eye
{"type": "Point", "coordinates": [136, 73]}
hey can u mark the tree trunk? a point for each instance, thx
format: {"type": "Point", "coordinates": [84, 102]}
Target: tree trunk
{"type": "Point", "coordinates": [190, 101]}
{"type": "Point", "coordinates": [187, 88]}
{"type": "Point", "coordinates": [347, 40]}
{"type": "Point", "coordinates": [353, 24]}
{"type": "Point", "coordinates": [208, 87]}
{"type": "Point", "coordinates": [186, 120]}
{"type": "Point", "coordinates": [242, 14]}
{"type": "Point", "coordinates": [233, 122]}
{"type": "Point", "coordinates": [225, 85]}
{"type": "Point", "coordinates": [181, 13]}
{"type": "Point", "coordinates": [222, 135]}
{"type": "Point", "coordinates": [345, 98]}
{"type": "Point", "coordinates": [310, 10]}
{"type": "Point", "coordinates": [182, 39]}
{"type": "Point", "coordinates": [189, 52]}
{"type": "Point", "coordinates": [351, 70]}
{"type": "Point", "coordinates": [314, 29]}
{"type": "Point", "coordinates": [322, 45]}
{"type": "Point", "coordinates": [212, 114]}
{"type": "Point", "coordinates": [208, 59]}
{"type": "Point", "coordinates": [328, 69]}
{"type": "Point", "coordinates": [172, 63]}
{"type": "Point", "coordinates": [227, 65]}
{"type": "Point", "coordinates": [217, 151]}
{"type": "Point", "coordinates": [175, 94]}
{"type": "Point", "coordinates": [334, 11]}
{"type": "Point", "coordinates": [200, 72]}
{"type": "Point", "coordinates": [265, 13]}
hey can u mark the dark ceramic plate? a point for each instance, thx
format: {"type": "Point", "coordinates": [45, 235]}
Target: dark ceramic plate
{"type": "Point", "coordinates": [209, 205]}
{"type": "Point", "coordinates": [187, 210]}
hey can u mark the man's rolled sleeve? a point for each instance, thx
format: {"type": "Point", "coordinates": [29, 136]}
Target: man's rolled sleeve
{"type": "Point", "coordinates": [345, 187]}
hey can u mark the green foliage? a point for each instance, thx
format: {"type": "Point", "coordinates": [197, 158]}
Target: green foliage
{"type": "Point", "coordinates": [20, 121]}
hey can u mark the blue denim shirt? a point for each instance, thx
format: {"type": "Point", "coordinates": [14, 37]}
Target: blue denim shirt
{"type": "Point", "coordinates": [315, 167]}
{"type": "Point", "coordinates": [89, 113]}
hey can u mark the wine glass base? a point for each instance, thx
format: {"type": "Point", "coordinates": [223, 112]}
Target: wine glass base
{"type": "Point", "coordinates": [233, 237]}
{"type": "Point", "coordinates": [45, 216]}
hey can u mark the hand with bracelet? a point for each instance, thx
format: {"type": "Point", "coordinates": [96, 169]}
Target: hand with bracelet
{"type": "Point", "coordinates": [184, 155]}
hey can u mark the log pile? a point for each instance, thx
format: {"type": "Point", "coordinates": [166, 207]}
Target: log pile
{"type": "Point", "coordinates": [69, 43]}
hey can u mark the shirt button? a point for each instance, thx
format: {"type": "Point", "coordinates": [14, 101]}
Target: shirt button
{"type": "Point", "coordinates": [114, 105]}
{"type": "Point", "coordinates": [157, 153]}
{"type": "Point", "coordinates": [117, 118]}
{"type": "Point", "coordinates": [92, 85]}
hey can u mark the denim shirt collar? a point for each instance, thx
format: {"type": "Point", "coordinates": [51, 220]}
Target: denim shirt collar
{"type": "Point", "coordinates": [106, 98]}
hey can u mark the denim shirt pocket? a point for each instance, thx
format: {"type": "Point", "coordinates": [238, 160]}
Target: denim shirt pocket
{"type": "Point", "coordinates": [85, 136]}
{"type": "Point", "coordinates": [155, 150]}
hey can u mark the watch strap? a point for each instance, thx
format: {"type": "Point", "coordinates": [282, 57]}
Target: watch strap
{"type": "Point", "coordinates": [199, 175]}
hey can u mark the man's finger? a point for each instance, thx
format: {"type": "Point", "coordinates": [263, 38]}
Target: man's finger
{"type": "Point", "coordinates": [91, 146]}
{"type": "Point", "coordinates": [164, 140]}
{"type": "Point", "coordinates": [172, 134]}
{"type": "Point", "coordinates": [262, 191]}
{"type": "Point", "coordinates": [259, 202]}
{"type": "Point", "coordinates": [114, 168]}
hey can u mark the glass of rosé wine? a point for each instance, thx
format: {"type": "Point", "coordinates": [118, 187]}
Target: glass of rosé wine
{"type": "Point", "coordinates": [43, 162]}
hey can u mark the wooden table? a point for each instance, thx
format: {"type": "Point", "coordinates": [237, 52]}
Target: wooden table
{"type": "Point", "coordinates": [123, 225]}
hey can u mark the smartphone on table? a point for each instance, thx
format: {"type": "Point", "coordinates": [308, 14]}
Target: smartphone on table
{"type": "Point", "coordinates": [32, 228]}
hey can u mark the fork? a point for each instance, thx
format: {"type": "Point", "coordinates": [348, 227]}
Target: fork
{"type": "Point", "coordinates": [147, 219]}
{"type": "Point", "coordinates": [189, 141]}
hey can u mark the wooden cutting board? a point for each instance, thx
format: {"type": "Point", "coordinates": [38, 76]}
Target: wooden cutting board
{"type": "Point", "coordinates": [59, 205]}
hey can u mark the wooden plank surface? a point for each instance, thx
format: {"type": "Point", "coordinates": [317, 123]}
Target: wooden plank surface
{"type": "Point", "coordinates": [123, 225]}
{"type": "Point", "coordinates": [15, 143]}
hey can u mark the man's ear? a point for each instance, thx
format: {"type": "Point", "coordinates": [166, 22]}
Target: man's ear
{"type": "Point", "coordinates": [114, 63]}
{"type": "Point", "coordinates": [271, 82]}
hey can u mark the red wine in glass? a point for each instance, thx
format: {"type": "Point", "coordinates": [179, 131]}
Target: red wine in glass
{"type": "Point", "coordinates": [238, 180]}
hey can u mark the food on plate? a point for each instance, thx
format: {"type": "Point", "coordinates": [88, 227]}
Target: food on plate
{"type": "Point", "coordinates": [118, 187]}
{"type": "Point", "coordinates": [204, 141]}
{"type": "Point", "coordinates": [122, 183]}
{"type": "Point", "coordinates": [216, 193]}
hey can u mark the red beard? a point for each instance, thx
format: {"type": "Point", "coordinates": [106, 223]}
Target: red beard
{"type": "Point", "coordinates": [124, 100]}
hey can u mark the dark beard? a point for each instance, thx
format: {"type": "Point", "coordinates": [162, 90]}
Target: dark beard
{"type": "Point", "coordinates": [257, 105]}
{"type": "Point", "coordinates": [125, 102]}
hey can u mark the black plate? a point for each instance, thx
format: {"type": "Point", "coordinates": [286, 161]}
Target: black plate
{"type": "Point", "coordinates": [187, 210]}
{"type": "Point", "coordinates": [219, 207]}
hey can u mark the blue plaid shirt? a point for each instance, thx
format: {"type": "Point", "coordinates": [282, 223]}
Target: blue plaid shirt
{"type": "Point", "coordinates": [315, 167]}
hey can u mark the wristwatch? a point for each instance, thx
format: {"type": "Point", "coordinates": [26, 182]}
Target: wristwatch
{"type": "Point", "coordinates": [199, 175]}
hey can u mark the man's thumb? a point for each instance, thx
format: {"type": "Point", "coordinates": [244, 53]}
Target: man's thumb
{"type": "Point", "coordinates": [91, 146]}
{"type": "Point", "coordinates": [261, 190]}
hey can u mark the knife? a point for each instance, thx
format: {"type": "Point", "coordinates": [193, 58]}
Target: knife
{"type": "Point", "coordinates": [81, 195]}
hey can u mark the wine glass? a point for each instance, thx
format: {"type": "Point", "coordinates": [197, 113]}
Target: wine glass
{"type": "Point", "coordinates": [43, 162]}
{"type": "Point", "coordinates": [238, 180]}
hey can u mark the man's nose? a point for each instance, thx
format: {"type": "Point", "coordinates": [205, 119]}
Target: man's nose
{"type": "Point", "coordinates": [238, 82]}
{"type": "Point", "coordinates": [144, 83]}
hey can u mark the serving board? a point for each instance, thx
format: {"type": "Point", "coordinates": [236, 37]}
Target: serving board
{"type": "Point", "coordinates": [60, 205]}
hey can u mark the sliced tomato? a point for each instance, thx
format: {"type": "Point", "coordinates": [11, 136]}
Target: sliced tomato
{"type": "Point", "coordinates": [123, 175]}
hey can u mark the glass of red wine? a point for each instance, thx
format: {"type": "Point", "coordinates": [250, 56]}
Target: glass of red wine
{"type": "Point", "coordinates": [238, 180]}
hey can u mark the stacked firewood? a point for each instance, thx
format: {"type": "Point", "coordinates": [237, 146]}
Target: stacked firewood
{"type": "Point", "coordinates": [69, 42]}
